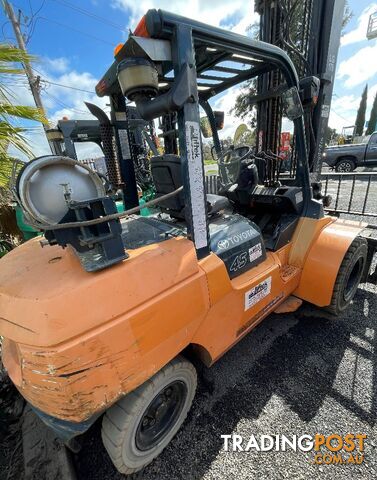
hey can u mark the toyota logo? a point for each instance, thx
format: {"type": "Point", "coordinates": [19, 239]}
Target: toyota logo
{"type": "Point", "coordinates": [223, 244]}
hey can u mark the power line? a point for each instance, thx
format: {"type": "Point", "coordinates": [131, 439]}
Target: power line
{"type": "Point", "coordinates": [90, 14]}
{"type": "Point", "coordinates": [34, 14]}
{"type": "Point", "coordinates": [72, 28]}
{"type": "Point", "coordinates": [61, 84]}
{"type": "Point", "coordinates": [66, 86]}
{"type": "Point", "coordinates": [32, 22]}
{"type": "Point", "coordinates": [65, 105]}
{"type": "Point", "coordinates": [336, 113]}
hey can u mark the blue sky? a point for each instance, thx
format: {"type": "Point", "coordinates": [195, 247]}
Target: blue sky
{"type": "Point", "coordinates": [75, 48]}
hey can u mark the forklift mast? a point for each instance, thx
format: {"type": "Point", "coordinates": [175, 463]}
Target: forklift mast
{"type": "Point", "coordinates": [311, 36]}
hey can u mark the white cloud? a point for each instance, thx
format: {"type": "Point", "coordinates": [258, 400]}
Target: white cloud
{"type": "Point", "coordinates": [59, 101]}
{"type": "Point", "coordinates": [69, 102]}
{"type": "Point", "coordinates": [360, 32]}
{"type": "Point", "coordinates": [359, 67]}
{"type": "Point", "coordinates": [206, 11]}
{"type": "Point", "coordinates": [58, 65]}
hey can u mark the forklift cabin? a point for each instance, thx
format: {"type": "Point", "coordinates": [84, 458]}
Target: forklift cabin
{"type": "Point", "coordinates": [162, 77]}
{"type": "Point", "coordinates": [197, 276]}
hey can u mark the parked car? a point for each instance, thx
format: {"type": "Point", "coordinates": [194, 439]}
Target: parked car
{"type": "Point", "coordinates": [345, 158]}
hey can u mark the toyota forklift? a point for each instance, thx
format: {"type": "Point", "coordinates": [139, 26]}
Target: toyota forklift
{"type": "Point", "coordinates": [100, 323]}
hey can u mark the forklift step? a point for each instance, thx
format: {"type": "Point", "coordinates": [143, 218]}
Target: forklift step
{"type": "Point", "coordinates": [290, 305]}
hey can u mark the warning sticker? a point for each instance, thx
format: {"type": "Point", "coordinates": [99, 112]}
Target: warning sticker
{"type": "Point", "coordinates": [258, 292]}
{"type": "Point", "coordinates": [195, 167]}
{"type": "Point", "coordinates": [255, 252]}
{"type": "Point", "coordinates": [124, 145]}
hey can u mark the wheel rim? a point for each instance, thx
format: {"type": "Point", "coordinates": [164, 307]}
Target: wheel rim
{"type": "Point", "coordinates": [345, 167]}
{"type": "Point", "coordinates": [353, 279]}
{"type": "Point", "coordinates": [161, 415]}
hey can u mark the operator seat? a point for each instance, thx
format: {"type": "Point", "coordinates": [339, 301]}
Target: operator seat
{"type": "Point", "coordinates": [248, 178]}
{"type": "Point", "coordinates": [167, 177]}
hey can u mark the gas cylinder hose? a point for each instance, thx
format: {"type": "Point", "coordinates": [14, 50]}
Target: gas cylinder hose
{"type": "Point", "coordinates": [107, 218]}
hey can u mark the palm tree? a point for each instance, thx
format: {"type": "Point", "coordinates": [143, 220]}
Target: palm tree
{"type": "Point", "coordinates": [10, 133]}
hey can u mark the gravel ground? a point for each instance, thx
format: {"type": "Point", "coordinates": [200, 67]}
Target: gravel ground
{"type": "Point", "coordinates": [299, 373]}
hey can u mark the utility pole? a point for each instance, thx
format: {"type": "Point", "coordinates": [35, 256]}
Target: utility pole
{"type": "Point", "coordinates": [34, 81]}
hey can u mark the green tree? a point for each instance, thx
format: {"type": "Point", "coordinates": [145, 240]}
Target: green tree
{"type": "Point", "coordinates": [360, 116]}
{"type": "Point", "coordinates": [10, 133]}
{"type": "Point", "coordinates": [330, 134]}
{"type": "Point", "coordinates": [372, 124]}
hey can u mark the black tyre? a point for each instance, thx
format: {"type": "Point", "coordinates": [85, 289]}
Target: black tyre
{"type": "Point", "coordinates": [349, 276]}
{"type": "Point", "coordinates": [345, 165]}
{"type": "Point", "coordinates": [139, 426]}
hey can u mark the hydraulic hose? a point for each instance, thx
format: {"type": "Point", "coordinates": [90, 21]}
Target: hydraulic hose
{"type": "Point", "coordinates": [107, 218]}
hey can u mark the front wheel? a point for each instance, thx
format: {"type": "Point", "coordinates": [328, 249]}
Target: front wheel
{"type": "Point", "coordinates": [345, 165]}
{"type": "Point", "coordinates": [139, 426]}
{"type": "Point", "coordinates": [349, 276]}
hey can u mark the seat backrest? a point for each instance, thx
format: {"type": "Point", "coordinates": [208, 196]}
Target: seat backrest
{"type": "Point", "coordinates": [167, 177]}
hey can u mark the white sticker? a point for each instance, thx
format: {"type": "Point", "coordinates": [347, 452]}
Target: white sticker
{"type": "Point", "coordinates": [299, 197]}
{"type": "Point", "coordinates": [258, 292]}
{"type": "Point", "coordinates": [255, 252]}
{"type": "Point", "coordinates": [124, 145]}
{"type": "Point", "coordinates": [195, 167]}
{"type": "Point", "coordinates": [325, 112]}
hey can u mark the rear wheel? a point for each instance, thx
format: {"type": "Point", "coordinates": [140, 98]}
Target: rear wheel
{"type": "Point", "coordinates": [345, 165]}
{"type": "Point", "coordinates": [349, 276]}
{"type": "Point", "coordinates": [139, 426]}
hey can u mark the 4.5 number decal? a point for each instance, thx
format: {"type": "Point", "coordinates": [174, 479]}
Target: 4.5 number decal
{"type": "Point", "coordinates": [239, 262]}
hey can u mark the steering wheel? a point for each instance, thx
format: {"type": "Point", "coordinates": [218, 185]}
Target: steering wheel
{"type": "Point", "coordinates": [235, 154]}
{"type": "Point", "coordinates": [229, 163]}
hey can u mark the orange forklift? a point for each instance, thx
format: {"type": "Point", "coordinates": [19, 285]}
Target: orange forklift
{"type": "Point", "coordinates": [100, 324]}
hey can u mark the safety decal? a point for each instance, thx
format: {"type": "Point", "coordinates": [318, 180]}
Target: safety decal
{"type": "Point", "coordinates": [124, 144]}
{"type": "Point", "coordinates": [195, 167]}
{"type": "Point", "coordinates": [255, 252]}
{"type": "Point", "coordinates": [265, 310]}
{"type": "Point", "coordinates": [257, 293]}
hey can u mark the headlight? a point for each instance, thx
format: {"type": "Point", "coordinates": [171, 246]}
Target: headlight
{"type": "Point", "coordinates": [138, 76]}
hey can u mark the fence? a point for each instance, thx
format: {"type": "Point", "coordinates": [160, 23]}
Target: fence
{"type": "Point", "coordinates": [351, 193]}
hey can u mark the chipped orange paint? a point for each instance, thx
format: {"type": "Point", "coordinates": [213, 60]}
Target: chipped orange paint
{"type": "Point", "coordinates": [76, 341]}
